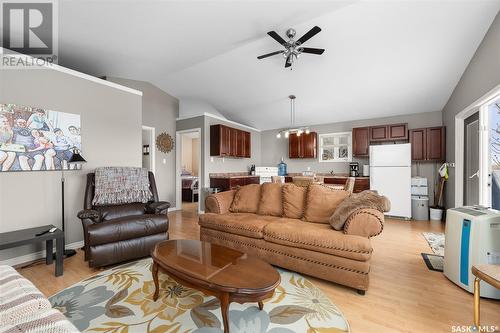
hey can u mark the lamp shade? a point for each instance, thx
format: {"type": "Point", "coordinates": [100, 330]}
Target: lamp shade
{"type": "Point", "coordinates": [76, 158]}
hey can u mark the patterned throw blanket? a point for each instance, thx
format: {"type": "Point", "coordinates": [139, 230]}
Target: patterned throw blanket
{"type": "Point", "coordinates": [119, 185]}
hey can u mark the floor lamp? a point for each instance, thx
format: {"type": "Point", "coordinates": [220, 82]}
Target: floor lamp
{"type": "Point", "coordinates": [75, 159]}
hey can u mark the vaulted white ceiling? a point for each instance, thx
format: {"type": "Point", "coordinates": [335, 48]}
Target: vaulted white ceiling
{"type": "Point", "coordinates": [382, 57]}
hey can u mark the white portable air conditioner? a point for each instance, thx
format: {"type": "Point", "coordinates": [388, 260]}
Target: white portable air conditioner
{"type": "Point", "coordinates": [472, 238]}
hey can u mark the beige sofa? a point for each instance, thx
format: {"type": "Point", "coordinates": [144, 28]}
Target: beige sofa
{"type": "Point", "coordinates": [288, 226]}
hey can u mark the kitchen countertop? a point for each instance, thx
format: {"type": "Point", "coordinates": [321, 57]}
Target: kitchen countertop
{"type": "Point", "coordinates": [231, 175]}
{"type": "Point", "coordinates": [326, 175]}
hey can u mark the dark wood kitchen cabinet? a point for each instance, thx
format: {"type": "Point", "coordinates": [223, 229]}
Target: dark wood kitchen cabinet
{"type": "Point", "coordinates": [227, 141]}
{"type": "Point", "coordinates": [360, 141]}
{"type": "Point", "coordinates": [428, 144]}
{"type": "Point", "coordinates": [360, 183]}
{"type": "Point", "coordinates": [303, 146]}
{"type": "Point", "coordinates": [231, 183]}
{"type": "Point", "coordinates": [393, 132]}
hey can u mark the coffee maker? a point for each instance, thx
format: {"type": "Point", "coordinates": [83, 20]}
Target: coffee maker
{"type": "Point", "coordinates": [353, 169]}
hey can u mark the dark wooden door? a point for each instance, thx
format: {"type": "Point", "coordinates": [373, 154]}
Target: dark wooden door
{"type": "Point", "coordinates": [247, 144]}
{"type": "Point", "coordinates": [379, 133]}
{"type": "Point", "coordinates": [418, 144]}
{"type": "Point", "coordinates": [233, 142]}
{"type": "Point", "coordinates": [294, 146]}
{"type": "Point", "coordinates": [360, 141]}
{"type": "Point", "coordinates": [398, 131]}
{"type": "Point", "coordinates": [308, 143]}
{"type": "Point", "coordinates": [240, 143]}
{"type": "Point", "coordinates": [252, 180]}
{"type": "Point", "coordinates": [225, 141]}
{"type": "Point", "coordinates": [436, 147]}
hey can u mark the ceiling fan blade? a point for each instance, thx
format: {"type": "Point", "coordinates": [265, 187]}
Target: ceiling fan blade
{"type": "Point", "coordinates": [312, 50]}
{"type": "Point", "coordinates": [269, 54]}
{"type": "Point", "coordinates": [274, 35]}
{"type": "Point", "coordinates": [288, 62]}
{"type": "Point", "coordinates": [309, 35]}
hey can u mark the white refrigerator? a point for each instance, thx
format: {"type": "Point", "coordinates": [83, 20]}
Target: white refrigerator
{"type": "Point", "coordinates": [390, 175]}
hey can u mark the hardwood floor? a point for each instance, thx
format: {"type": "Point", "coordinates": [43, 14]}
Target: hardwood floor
{"type": "Point", "coordinates": [404, 296]}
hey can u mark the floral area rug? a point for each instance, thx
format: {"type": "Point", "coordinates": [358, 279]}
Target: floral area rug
{"type": "Point", "coordinates": [435, 241]}
{"type": "Point", "coordinates": [120, 300]}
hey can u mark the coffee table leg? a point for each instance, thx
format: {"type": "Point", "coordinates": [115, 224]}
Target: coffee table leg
{"type": "Point", "coordinates": [261, 306]}
{"type": "Point", "coordinates": [155, 279]}
{"type": "Point", "coordinates": [224, 308]}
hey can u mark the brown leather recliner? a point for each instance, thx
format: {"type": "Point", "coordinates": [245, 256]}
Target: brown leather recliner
{"type": "Point", "coordinates": [122, 232]}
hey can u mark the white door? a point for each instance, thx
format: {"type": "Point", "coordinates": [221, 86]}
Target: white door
{"type": "Point", "coordinates": [395, 184]}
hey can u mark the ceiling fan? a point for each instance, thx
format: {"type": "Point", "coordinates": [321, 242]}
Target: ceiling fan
{"type": "Point", "coordinates": [293, 48]}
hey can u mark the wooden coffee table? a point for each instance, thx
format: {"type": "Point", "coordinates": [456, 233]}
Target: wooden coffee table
{"type": "Point", "coordinates": [229, 275]}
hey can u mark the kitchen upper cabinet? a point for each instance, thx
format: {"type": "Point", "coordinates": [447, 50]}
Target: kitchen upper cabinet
{"type": "Point", "coordinates": [360, 141]}
{"type": "Point", "coordinates": [303, 146]}
{"type": "Point", "coordinates": [393, 132]}
{"type": "Point", "coordinates": [379, 133]}
{"type": "Point", "coordinates": [436, 143]}
{"type": "Point", "coordinates": [226, 141]}
{"type": "Point", "coordinates": [398, 132]}
{"type": "Point", "coordinates": [428, 144]}
{"type": "Point", "coordinates": [418, 144]}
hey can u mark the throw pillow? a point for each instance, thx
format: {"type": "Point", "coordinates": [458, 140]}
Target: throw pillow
{"type": "Point", "coordinates": [322, 202]}
{"type": "Point", "coordinates": [271, 200]}
{"type": "Point", "coordinates": [246, 199]}
{"type": "Point", "coordinates": [294, 199]}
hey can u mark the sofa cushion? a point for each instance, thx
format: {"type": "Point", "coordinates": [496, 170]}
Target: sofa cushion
{"type": "Point", "coordinates": [294, 198]}
{"type": "Point", "coordinates": [321, 202]}
{"type": "Point", "coordinates": [246, 199]}
{"type": "Point", "coordinates": [244, 224]}
{"type": "Point", "coordinates": [271, 199]}
{"type": "Point", "coordinates": [318, 237]}
{"type": "Point", "coordinates": [126, 228]}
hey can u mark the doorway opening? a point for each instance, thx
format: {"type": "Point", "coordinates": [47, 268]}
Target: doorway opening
{"type": "Point", "coordinates": [188, 170]}
{"type": "Point", "coordinates": [471, 159]}
{"type": "Point", "coordinates": [477, 152]}
{"type": "Point", "coordinates": [148, 148]}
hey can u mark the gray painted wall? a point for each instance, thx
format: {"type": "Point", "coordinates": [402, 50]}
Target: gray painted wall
{"type": "Point", "coordinates": [481, 75]}
{"type": "Point", "coordinates": [159, 110]}
{"type": "Point", "coordinates": [111, 135]}
{"type": "Point", "coordinates": [193, 123]}
{"type": "Point", "coordinates": [273, 149]}
{"type": "Point", "coordinates": [217, 164]}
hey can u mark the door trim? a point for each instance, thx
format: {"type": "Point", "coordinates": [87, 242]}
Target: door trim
{"type": "Point", "coordinates": [178, 152]}
{"type": "Point", "coordinates": [459, 142]}
{"type": "Point", "coordinates": [476, 116]}
{"type": "Point", "coordinates": [152, 148]}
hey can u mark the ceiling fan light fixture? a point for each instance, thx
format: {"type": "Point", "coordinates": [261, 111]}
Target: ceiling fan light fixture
{"type": "Point", "coordinates": [287, 134]}
{"type": "Point", "coordinates": [293, 48]}
{"type": "Point", "coordinates": [278, 135]}
{"type": "Point", "coordinates": [308, 131]}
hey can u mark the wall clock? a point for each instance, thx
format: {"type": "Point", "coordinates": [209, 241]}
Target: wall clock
{"type": "Point", "coordinates": [164, 143]}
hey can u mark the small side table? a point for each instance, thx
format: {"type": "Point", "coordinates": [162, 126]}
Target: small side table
{"type": "Point", "coordinates": [489, 274]}
{"type": "Point", "coordinates": [28, 236]}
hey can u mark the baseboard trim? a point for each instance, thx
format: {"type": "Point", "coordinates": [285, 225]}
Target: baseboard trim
{"type": "Point", "coordinates": [36, 255]}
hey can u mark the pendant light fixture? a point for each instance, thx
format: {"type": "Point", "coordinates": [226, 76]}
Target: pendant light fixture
{"type": "Point", "coordinates": [292, 129]}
